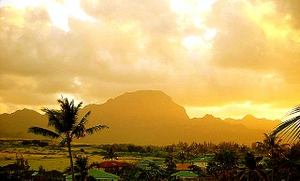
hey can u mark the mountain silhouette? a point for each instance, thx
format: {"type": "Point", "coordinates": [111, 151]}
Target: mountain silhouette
{"type": "Point", "coordinates": [16, 125]}
{"type": "Point", "coordinates": [142, 117]}
{"type": "Point", "coordinates": [145, 117]}
{"type": "Point", "coordinates": [255, 123]}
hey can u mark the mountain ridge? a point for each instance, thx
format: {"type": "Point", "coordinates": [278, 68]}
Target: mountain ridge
{"type": "Point", "coordinates": [146, 117]}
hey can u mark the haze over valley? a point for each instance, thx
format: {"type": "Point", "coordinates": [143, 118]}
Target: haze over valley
{"type": "Point", "coordinates": [146, 117]}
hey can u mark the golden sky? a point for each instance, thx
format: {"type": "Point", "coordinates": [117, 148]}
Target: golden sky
{"type": "Point", "coordinates": [228, 58]}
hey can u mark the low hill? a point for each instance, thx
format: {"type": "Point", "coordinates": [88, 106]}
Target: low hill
{"type": "Point", "coordinates": [146, 117]}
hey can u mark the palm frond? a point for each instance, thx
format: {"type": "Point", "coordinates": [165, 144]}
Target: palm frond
{"type": "Point", "coordinates": [78, 131]}
{"type": "Point", "coordinates": [297, 135]}
{"type": "Point", "coordinates": [95, 129]}
{"type": "Point", "coordinates": [288, 132]}
{"type": "Point", "coordinates": [63, 142]}
{"type": "Point", "coordinates": [289, 128]}
{"type": "Point", "coordinates": [262, 175]}
{"type": "Point", "coordinates": [295, 110]}
{"type": "Point", "coordinates": [43, 132]}
{"type": "Point", "coordinates": [69, 113]}
{"type": "Point", "coordinates": [54, 120]}
{"type": "Point", "coordinates": [84, 118]}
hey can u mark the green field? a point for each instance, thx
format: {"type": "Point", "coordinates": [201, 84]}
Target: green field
{"type": "Point", "coordinates": [52, 157]}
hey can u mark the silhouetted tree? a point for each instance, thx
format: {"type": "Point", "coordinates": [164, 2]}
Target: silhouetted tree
{"type": "Point", "coordinates": [289, 166]}
{"type": "Point", "coordinates": [181, 156]}
{"type": "Point", "coordinates": [110, 154]}
{"type": "Point", "coordinates": [154, 173]}
{"type": "Point", "coordinates": [254, 171]}
{"type": "Point", "coordinates": [271, 145]}
{"type": "Point", "coordinates": [170, 162]}
{"type": "Point", "coordinates": [274, 151]}
{"type": "Point", "coordinates": [223, 166]}
{"type": "Point", "coordinates": [170, 149]}
{"type": "Point", "coordinates": [130, 172]}
{"type": "Point", "coordinates": [196, 169]}
{"type": "Point", "coordinates": [81, 163]}
{"type": "Point", "coordinates": [66, 124]}
{"type": "Point", "coordinates": [15, 170]}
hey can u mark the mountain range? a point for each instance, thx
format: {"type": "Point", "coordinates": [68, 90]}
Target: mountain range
{"type": "Point", "coordinates": [146, 117]}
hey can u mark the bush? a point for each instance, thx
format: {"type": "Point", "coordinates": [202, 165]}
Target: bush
{"type": "Point", "coordinates": [35, 143]}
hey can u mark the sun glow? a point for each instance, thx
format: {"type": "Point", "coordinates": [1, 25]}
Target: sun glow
{"type": "Point", "coordinates": [70, 97]}
{"type": "Point", "coordinates": [183, 6]}
{"type": "Point", "coordinates": [23, 3]}
{"type": "Point", "coordinates": [194, 12]}
{"type": "Point", "coordinates": [59, 12]}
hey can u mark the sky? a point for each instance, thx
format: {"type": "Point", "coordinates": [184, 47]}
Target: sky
{"type": "Point", "coordinates": [228, 58]}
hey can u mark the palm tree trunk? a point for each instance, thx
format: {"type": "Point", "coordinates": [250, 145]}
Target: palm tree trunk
{"type": "Point", "coordinates": [71, 158]}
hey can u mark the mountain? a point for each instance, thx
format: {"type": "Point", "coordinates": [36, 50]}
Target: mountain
{"type": "Point", "coordinates": [145, 117]}
{"type": "Point", "coordinates": [252, 122]}
{"type": "Point", "coordinates": [212, 129]}
{"type": "Point", "coordinates": [15, 125]}
{"type": "Point", "coordinates": [142, 117]}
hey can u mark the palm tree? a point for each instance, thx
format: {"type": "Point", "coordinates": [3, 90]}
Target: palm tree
{"type": "Point", "coordinates": [110, 154]}
{"type": "Point", "coordinates": [66, 125]}
{"type": "Point", "coordinates": [223, 166]}
{"type": "Point", "coordinates": [290, 165]}
{"type": "Point", "coordinates": [272, 145]}
{"type": "Point", "coordinates": [81, 163]}
{"type": "Point", "coordinates": [289, 129]}
{"type": "Point", "coordinates": [182, 156]}
{"type": "Point", "coordinates": [275, 152]}
{"type": "Point", "coordinates": [82, 167]}
{"type": "Point", "coordinates": [170, 163]}
{"type": "Point", "coordinates": [254, 171]}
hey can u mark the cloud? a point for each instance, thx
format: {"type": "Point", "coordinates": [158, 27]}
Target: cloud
{"type": "Point", "coordinates": [232, 53]}
{"type": "Point", "coordinates": [240, 42]}
{"type": "Point", "coordinates": [104, 52]}
{"type": "Point", "coordinates": [292, 8]}
{"type": "Point", "coordinates": [246, 50]}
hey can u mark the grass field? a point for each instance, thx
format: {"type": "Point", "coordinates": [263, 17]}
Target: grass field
{"type": "Point", "coordinates": [50, 157]}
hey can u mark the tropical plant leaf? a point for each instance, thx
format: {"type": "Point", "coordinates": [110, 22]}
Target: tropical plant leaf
{"type": "Point", "coordinates": [289, 129]}
{"type": "Point", "coordinates": [79, 130]}
{"type": "Point", "coordinates": [43, 132]}
{"type": "Point", "coordinates": [63, 142]}
{"type": "Point", "coordinates": [54, 120]}
{"type": "Point", "coordinates": [69, 114]}
{"type": "Point", "coordinates": [295, 110]}
{"type": "Point", "coordinates": [84, 118]}
{"type": "Point", "coordinates": [95, 129]}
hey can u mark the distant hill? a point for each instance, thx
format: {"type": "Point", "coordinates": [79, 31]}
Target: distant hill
{"type": "Point", "coordinates": [254, 123]}
{"type": "Point", "coordinates": [146, 117]}
{"type": "Point", "coordinates": [15, 125]}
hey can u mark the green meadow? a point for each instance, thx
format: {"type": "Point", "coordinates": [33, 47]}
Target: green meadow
{"type": "Point", "coordinates": [52, 157]}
